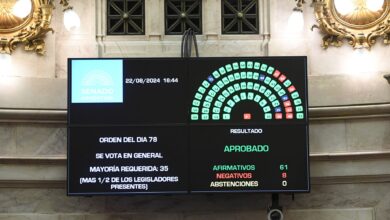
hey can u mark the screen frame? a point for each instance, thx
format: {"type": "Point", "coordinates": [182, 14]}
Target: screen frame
{"type": "Point", "coordinates": [69, 78]}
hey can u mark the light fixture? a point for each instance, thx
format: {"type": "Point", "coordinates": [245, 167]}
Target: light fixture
{"type": "Point", "coordinates": [22, 8]}
{"type": "Point", "coordinates": [375, 5]}
{"type": "Point", "coordinates": [345, 6]}
{"type": "Point", "coordinates": [361, 23]}
{"type": "Point", "coordinates": [27, 22]}
{"type": "Point", "coordinates": [71, 18]}
{"type": "Point", "coordinates": [295, 21]}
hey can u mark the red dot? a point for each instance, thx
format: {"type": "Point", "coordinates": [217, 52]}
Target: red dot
{"type": "Point", "coordinates": [289, 109]}
{"type": "Point", "coordinates": [289, 115]}
{"type": "Point", "coordinates": [278, 115]}
{"type": "Point", "coordinates": [276, 73]}
{"type": "Point", "coordinates": [291, 89]}
{"type": "Point", "coordinates": [287, 103]}
{"type": "Point", "coordinates": [247, 116]}
{"type": "Point", "coordinates": [282, 78]}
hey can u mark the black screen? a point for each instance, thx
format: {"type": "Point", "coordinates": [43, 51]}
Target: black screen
{"type": "Point", "coordinates": [169, 125]}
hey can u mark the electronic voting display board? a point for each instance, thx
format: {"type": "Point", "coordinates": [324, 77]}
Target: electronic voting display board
{"type": "Point", "coordinates": [179, 126]}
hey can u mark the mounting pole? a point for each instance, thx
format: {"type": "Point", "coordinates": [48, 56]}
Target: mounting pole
{"type": "Point", "coordinates": [275, 212]}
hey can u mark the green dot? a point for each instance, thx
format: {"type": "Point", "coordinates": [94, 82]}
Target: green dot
{"type": "Point", "coordinates": [256, 66]}
{"type": "Point", "coordinates": [231, 89]}
{"type": "Point", "coordinates": [205, 110]}
{"type": "Point", "coordinates": [249, 75]}
{"type": "Point", "coordinates": [221, 98]}
{"type": "Point", "coordinates": [229, 67]}
{"type": "Point", "coordinates": [209, 98]}
{"type": "Point", "coordinates": [243, 75]}
{"type": "Point", "coordinates": [275, 103]}
{"type": "Point", "coordinates": [225, 80]}
{"type": "Point", "coordinates": [264, 67]}
{"type": "Point", "coordinates": [300, 116]}
{"type": "Point", "coordinates": [236, 98]}
{"type": "Point", "coordinates": [227, 109]}
{"type": "Point", "coordinates": [226, 117]}
{"type": "Point", "coordinates": [195, 103]}
{"type": "Point", "coordinates": [299, 108]}
{"type": "Point", "coordinates": [231, 78]}
{"type": "Point", "coordinates": [262, 89]}
{"type": "Point", "coordinates": [222, 70]}
{"type": "Point", "coordinates": [243, 85]}
{"type": "Point", "coordinates": [255, 76]}
{"type": "Point", "coordinates": [212, 93]}
{"type": "Point", "coordinates": [194, 117]}
{"type": "Point", "coordinates": [236, 66]}
{"type": "Point", "coordinates": [198, 96]}
{"type": "Point", "coordinates": [268, 93]}
{"type": "Point", "coordinates": [195, 110]}
{"type": "Point", "coordinates": [242, 65]}
{"type": "Point", "coordinates": [267, 80]}
{"type": "Point", "coordinates": [256, 86]}
{"type": "Point", "coordinates": [249, 64]}
{"type": "Point", "coordinates": [225, 93]}
{"type": "Point", "coordinates": [201, 90]}
{"type": "Point", "coordinates": [270, 70]}
{"type": "Point", "coordinates": [266, 109]}
{"type": "Point", "coordinates": [277, 88]}
{"type": "Point", "coordinates": [287, 83]}
{"type": "Point", "coordinates": [257, 98]}
{"type": "Point", "coordinates": [231, 103]}
{"type": "Point", "coordinates": [243, 96]}
{"type": "Point", "coordinates": [263, 103]}
{"type": "Point", "coordinates": [218, 104]}
{"type": "Point", "coordinates": [281, 92]}
{"type": "Point", "coordinates": [295, 95]}
{"type": "Point", "coordinates": [206, 104]}
{"type": "Point", "coordinates": [205, 117]}
{"type": "Point", "coordinates": [273, 83]}
{"type": "Point", "coordinates": [216, 88]}
{"type": "Point", "coordinates": [216, 74]}
{"type": "Point", "coordinates": [216, 110]}
{"type": "Point", "coordinates": [250, 85]}
{"type": "Point", "coordinates": [237, 87]}
{"type": "Point", "coordinates": [297, 101]}
{"type": "Point", "coordinates": [205, 84]}
{"type": "Point", "coordinates": [268, 116]}
{"type": "Point", "coordinates": [272, 98]}
{"type": "Point", "coordinates": [220, 84]}
{"type": "Point", "coordinates": [237, 76]}
{"type": "Point", "coordinates": [215, 116]}
{"type": "Point", "coordinates": [251, 95]}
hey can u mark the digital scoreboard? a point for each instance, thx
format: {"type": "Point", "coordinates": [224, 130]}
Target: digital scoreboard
{"type": "Point", "coordinates": [195, 125]}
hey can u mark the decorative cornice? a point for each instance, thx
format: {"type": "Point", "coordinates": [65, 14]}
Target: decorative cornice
{"type": "Point", "coordinates": [350, 112]}
{"type": "Point", "coordinates": [373, 155]}
{"type": "Point", "coordinates": [48, 160]}
{"type": "Point", "coordinates": [33, 116]}
{"type": "Point", "coordinates": [315, 113]}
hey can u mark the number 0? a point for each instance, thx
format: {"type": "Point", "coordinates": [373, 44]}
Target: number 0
{"type": "Point", "coordinates": [284, 183]}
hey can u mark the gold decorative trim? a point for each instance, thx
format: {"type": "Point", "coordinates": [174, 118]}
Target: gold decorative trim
{"type": "Point", "coordinates": [30, 32]}
{"type": "Point", "coordinates": [361, 28]}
